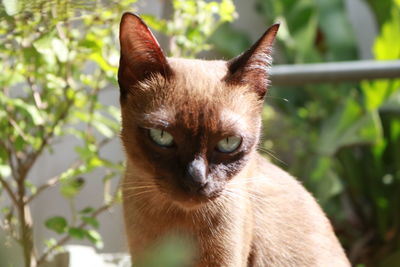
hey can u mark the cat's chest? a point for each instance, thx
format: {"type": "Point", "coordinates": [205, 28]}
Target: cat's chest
{"type": "Point", "coordinates": [167, 219]}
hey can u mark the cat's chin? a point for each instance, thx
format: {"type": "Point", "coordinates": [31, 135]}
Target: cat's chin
{"type": "Point", "coordinates": [191, 202]}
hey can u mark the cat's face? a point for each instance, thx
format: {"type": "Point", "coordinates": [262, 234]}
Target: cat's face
{"type": "Point", "coordinates": [189, 126]}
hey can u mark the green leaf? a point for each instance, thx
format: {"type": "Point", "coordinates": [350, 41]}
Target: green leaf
{"type": "Point", "coordinates": [43, 46]}
{"type": "Point", "coordinates": [71, 188]}
{"type": "Point", "coordinates": [77, 233]}
{"type": "Point", "coordinates": [19, 143]}
{"type": "Point", "coordinates": [103, 128]}
{"type": "Point", "coordinates": [227, 10]}
{"type": "Point", "coordinates": [51, 242]}
{"type": "Point", "coordinates": [326, 183]}
{"type": "Point", "coordinates": [387, 45]}
{"type": "Point", "coordinates": [94, 162]}
{"type": "Point", "coordinates": [29, 109]}
{"type": "Point", "coordinates": [114, 112]}
{"type": "Point", "coordinates": [86, 210]}
{"type": "Point", "coordinates": [349, 126]}
{"type": "Point", "coordinates": [60, 49]}
{"type": "Point", "coordinates": [154, 22]}
{"type": "Point", "coordinates": [94, 237]}
{"type": "Point", "coordinates": [91, 221]}
{"type": "Point", "coordinates": [85, 152]}
{"type": "Point", "coordinates": [58, 224]}
{"type": "Point", "coordinates": [103, 64]}
{"type": "Point", "coordinates": [11, 7]}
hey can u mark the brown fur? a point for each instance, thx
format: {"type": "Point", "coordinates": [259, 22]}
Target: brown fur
{"type": "Point", "coordinates": [251, 212]}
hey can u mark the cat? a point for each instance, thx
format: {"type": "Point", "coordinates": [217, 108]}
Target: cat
{"type": "Point", "coordinates": [190, 130]}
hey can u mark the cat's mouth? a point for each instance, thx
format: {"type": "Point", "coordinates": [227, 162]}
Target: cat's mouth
{"type": "Point", "coordinates": [192, 199]}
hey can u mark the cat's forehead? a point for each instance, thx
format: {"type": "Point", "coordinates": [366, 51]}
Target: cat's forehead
{"type": "Point", "coordinates": [198, 78]}
{"type": "Point", "coordinates": [195, 83]}
{"type": "Point", "coordinates": [208, 71]}
{"type": "Point", "coordinates": [197, 96]}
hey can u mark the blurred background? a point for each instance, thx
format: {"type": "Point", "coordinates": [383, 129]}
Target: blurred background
{"type": "Point", "coordinates": [60, 156]}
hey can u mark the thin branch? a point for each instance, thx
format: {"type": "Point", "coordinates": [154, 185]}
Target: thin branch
{"type": "Point", "coordinates": [51, 182]}
{"type": "Point", "coordinates": [8, 189]}
{"type": "Point", "coordinates": [104, 142]}
{"type": "Point", "coordinates": [35, 92]}
{"type": "Point", "coordinates": [17, 128]}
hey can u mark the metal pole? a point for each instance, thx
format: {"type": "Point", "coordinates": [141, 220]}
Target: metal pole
{"type": "Point", "coordinates": [336, 72]}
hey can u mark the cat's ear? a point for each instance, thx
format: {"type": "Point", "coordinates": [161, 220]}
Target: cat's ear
{"type": "Point", "coordinates": [252, 67]}
{"type": "Point", "coordinates": [141, 55]}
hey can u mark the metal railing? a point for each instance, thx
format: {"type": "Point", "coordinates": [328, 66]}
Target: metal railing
{"type": "Point", "coordinates": [336, 72]}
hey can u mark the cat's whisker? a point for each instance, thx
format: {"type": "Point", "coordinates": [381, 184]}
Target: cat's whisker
{"type": "Point", "coordinates": [248, 180]}
{"type": "Point", "coordinates": [270, 153]}
{"type": "Point", "coordinates": [232, 194]}
{"type": "Point", "coordinates": [136, 182]}
{"type": "Point", "coordinates": [133, 192]}
{"type": "Point", "coordinates": [140, 193]}
{"type": "Point", "coordinates": [245, 195]}
{"type": "Point", "coordinates": [277, 98]}
{"type": "Point", "coordinates": [138, 187]}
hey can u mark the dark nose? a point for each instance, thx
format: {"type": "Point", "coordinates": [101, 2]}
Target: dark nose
{"type": "Point", "coordinates": [196, 175]}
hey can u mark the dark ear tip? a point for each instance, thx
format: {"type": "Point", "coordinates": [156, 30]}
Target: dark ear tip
{"type": "Point", "coordinates": [128, 13]}
{"type": "Point", "coordinates": [274, 27]}
{"type": "Point", "coordinates": [130, 16]}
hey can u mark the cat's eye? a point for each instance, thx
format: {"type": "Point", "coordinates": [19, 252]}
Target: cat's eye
{"type": "Point", "coordinates": [161, 137]}
{"type": "Point", "coordinates": [229, 144]}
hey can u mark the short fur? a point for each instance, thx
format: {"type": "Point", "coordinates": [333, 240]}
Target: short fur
{"type": "Point", "coordinates": [247, 212]}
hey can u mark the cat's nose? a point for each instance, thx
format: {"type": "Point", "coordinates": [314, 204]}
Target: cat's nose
{"type": "Point", "coordinates": [196, 175]}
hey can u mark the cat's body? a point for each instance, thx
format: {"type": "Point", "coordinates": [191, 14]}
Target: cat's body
{"type": "Point", "coordinates": [240, 209]}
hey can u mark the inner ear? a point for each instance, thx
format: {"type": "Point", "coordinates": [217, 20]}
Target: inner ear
{"type": "Point", "coordinates": [252, 67]}
{"type": "Point", "coordinates": [141, 55]}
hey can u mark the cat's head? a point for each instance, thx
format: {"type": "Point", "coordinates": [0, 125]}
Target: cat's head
{"type": "Point", "coordinates": [189, 126]}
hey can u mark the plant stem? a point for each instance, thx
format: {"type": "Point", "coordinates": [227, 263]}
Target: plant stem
{"type": "Point", "coordinates": [51, 182]}
{"type": "Point", "coordinates": [8, 189]}
{"type": "Point", "coordinates": [25, 223]}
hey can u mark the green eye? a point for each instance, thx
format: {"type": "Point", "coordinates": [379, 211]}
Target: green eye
{"type": "Point", "coordinates": [161, 137]}
{"type": "Point", "coordinates": [229, 144]}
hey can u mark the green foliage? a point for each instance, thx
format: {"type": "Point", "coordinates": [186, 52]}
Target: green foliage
{"type": "Point", "coordinates": [57, 224]}
{"type": "Point", "coordinates": [192, 23]}
{"type": "Point", "coordinates": [307, 31]}
{"type": "Point", "coordinates": [56, 59]}
{"type": "Point", "coordinates": [230, 42]}
{"type": "Point", "coordinates": [341, 140]}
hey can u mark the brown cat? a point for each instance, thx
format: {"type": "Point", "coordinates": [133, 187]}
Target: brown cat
{"type": "Point", "coordinates": [190, 129]}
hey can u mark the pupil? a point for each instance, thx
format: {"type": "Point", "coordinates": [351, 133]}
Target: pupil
{"type": "Point", "coordinates": [162, 133]}
{"type": "Point", "coordinates": [227, 140]}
